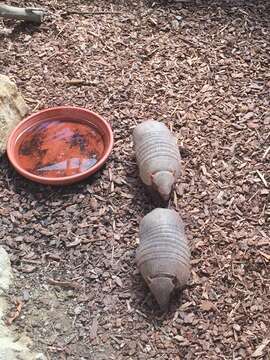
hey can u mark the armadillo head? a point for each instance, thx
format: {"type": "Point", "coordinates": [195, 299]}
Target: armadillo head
{"type": "Point", "coordinates": [161, 288]}
{"type": "Point", "coordinates": [163, 182]}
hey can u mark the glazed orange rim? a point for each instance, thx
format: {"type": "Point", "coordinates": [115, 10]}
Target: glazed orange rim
{"type": "Point", "coordinates": [58, 180]}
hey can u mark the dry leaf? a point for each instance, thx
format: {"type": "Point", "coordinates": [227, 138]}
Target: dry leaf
{"type": "Point", "coordinates": [93, 203]}
{"type": "Point", "coordinates": [64, 284]}
{"type": "Point", "coordinates": [237, 327]}
{"type": "Point", "coordinates": [118, 281]}
{"type": "Point", "coordinates": [248, 116]}
{"type": "Point", "coordinates": [259, 351]}
{"type": "Point", "coordinates": [74, 243]}
{"type": "Point", "coordinates": [28, 269]}
{"type": "Point", "coordinates": [206, 87]}
{"type": "Point", "coordinates": [252, 125]}
{"type": "Point", "coordinates": [16, 313]}
{"type": "Point", "coordinates": [266, 256]}
{"type": "Point", "coordinates": [237, 75]}
{"type": "Point", "coordinates": [207, 305]}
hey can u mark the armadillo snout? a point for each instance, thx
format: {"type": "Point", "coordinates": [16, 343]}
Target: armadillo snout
{"type": "Point", "coordinates": [162, 287]}
{"type": "Point", "coordinates": [163, 182]}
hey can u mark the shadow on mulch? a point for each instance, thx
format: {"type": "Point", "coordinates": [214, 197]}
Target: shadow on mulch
{"type": "Point", "coordinates": [146, 196]}
{"type": "Point", "coordinates": [224, 4]}
{"type": "Point", "coordinates": [142, 195]}
{"type": "Point", "coordinates": [20, 184]}
{"type": "Point", "coordinates": [230, 7]}
{"type": "Point", "coordinates": [21, 27]}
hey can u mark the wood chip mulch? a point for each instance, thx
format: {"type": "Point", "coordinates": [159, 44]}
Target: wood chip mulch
{"type": "Point", "coordinates": [201, 67]}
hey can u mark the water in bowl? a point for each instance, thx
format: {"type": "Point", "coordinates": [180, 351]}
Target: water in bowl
{"type": "Point", "coordinates": [59, 148]}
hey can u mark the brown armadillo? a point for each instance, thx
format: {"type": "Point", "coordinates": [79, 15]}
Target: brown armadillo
{"type": "Point", "coordinates": [163, 256]}
{"type": "Point", "coordinates": [157, 156]}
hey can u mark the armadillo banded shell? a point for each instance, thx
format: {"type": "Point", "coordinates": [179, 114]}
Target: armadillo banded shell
{"type": "Point", "coordinates": [156, 146]}
{"type": "Point", "coordinates": [163, 241]}
{"type": "Point", "coordinates": [156, 150]}
{"type": "Point", "coordinates": [163, 251]}
{"type": "Point", "coordinates": [159, 260]}
{"type": "Point", "coordinates": [167, 254]}
{"type": "Point", "coordinates": [163, 218]}
{"type": "Point", "coordinates": [149, 127]}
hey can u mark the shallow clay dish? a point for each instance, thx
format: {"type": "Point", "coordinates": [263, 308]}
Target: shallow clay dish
{"type": "Point", "coordinates": [60, 146]}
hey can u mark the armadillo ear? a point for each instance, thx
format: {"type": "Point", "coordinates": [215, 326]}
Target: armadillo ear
{"type": "Point", "coordinates": [161, 288]}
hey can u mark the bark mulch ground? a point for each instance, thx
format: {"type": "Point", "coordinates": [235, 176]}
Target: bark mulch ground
{"type": "Point", "coordinates": [203, 69]}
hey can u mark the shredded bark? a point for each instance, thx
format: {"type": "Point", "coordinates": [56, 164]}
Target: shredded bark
{"type": "Point", "coordinates": [201, 67]}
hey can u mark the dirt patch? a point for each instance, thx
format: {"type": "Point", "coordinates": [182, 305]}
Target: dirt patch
{"type": "Point", "coordinates": [13, 345]}
{"type": "Point", "coordinates": [203, 69]}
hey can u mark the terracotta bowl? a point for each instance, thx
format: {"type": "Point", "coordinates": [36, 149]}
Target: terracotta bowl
{"type": "Point", "coordinates": [60, 146]}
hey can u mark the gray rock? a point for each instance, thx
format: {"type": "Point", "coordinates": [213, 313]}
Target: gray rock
{"type": "Point", "coordinates": [5, 270]}
{"type": "Point", "coordinates": [12, 109]}
{"type": "Point", "coordinates": [13, 346]}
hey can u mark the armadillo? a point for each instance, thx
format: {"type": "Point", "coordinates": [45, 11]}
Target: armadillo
{"type": "Point", "coordinates": [163, 256]}
{"type": "Point", "coordinates": [157, 156]}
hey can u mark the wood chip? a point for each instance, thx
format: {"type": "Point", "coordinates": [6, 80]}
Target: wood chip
{"type": "Point", "coordinates": [265, 255]}
{"type": "Point", "coordinates": [207, 305]}
{"type": "Point", "coordinates": [14, 315]}
{"type": "Point", "coordinates": [259, 352]}
{"type": "Point", "coordinates": [75, 243]}
{"type": "Point", "coordinates": [93, 329]}
{"type": "Point", "coordinates": [64, 284]}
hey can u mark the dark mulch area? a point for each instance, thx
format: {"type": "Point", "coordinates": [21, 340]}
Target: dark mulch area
{"type": "Point", "coordinates": [202, 68]}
